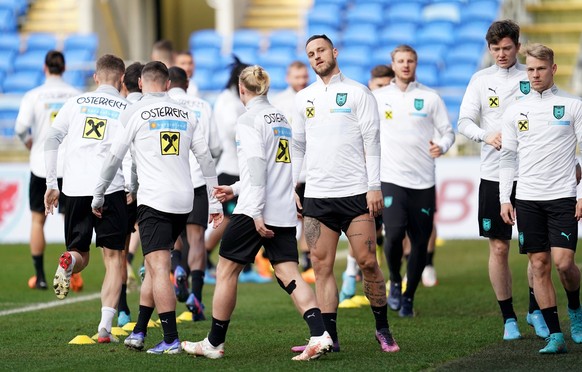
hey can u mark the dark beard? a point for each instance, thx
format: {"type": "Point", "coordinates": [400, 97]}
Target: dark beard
{"type": "Point", "coordinates": [328, 70]}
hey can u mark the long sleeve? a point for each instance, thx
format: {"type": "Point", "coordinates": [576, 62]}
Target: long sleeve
{"type": "Point", "coordinates": [443, 126]}
{"type": "Point", "coordinates": [370, 128]}
{"type": "Point", "coordinates": [51, 150]}
{"type": "Point", "coordinates": [200, 149]}
{"type": "Point", "coordinates": [253, 152]}
{"type": "Point", "coordinates": [298, 142]}
{"type": "Point", "coordinates": [508, 161]}
{"type": "Point", "coordinates": [469, 114]}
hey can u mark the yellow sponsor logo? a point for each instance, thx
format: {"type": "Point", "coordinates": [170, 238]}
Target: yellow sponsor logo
{"type": "Point", "coordinates": [95, 128]}
{"type": "Point", "coordinates": [283, 155]}
{"type": "Point", "coordinates": [170, 143]}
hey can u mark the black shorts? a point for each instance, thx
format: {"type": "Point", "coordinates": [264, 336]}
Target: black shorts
{"type": "Point", "coordinates": [491, 224]}
{"type": "Point", "coordinates": [80, 221]}
{"type": "Point", "coordinates": [227, 179]}
{"type": "Point", "coordinates": [131, 216]}
{"type": "Point", "coordinates": [410, 210]}
{"type": "Point", "coordinates": [300, 190]}
{"type": "Point", "coordinates": [36, 192]}
{"type": "Point", "coordinates": [158, 230]}
{"type": "Point", "coordinates": [546, 224]}
{"type": "Point", "coordinates": [199, 214]}
{"type": "Point", "coordinates": [241, 242]}
{"type": "Point", "coordinates": [336, 213]}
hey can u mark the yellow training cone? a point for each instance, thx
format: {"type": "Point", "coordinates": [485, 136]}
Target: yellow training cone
{"type": "Point", "coordinates": [152, 324]}
{"type": "Point", "coordinates": [348, 304]}
{"type": "Point", "coordinates": [128, 327]}
{"type": "Point", "coordinates": [81, 340]}
{"type": "Point", "coordinates": [361, 300]}
{"type": "Point", "coordinates": [118, 331]}
{"type": "Point", "coordinates": [185, 316]}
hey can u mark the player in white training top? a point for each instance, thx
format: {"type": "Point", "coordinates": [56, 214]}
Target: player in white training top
{"type": "Point", "coordinates": [265, 215]}
{"type": "Point", "coordinates": [198, 218]}
{"type": "Point", "coordinates": [336, 130]}
{"type": "Point", "coordinates": [90, 122]}
{"type": "Point", "coordinates": [410, 114]}
{"type": "Point", "coordinates": [540, 133]}
{"type": "Point", "coordinates": [490, 92]}
{"type": "Point", "coordinates": [162, 133]}
{"type": "Point", "coordinates": [38, 109]}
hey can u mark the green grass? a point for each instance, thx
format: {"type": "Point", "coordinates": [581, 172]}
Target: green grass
{"type": "Point", "coordinates": [457, 327]}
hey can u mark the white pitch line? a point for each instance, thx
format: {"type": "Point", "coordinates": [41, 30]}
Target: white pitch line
{"type": "Point", "coordinates": [48, 305]}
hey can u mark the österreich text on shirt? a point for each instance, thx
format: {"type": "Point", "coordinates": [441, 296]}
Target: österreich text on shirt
{"type": "Point", "coordinates": [102, 101]}
{"type": "Point", "coordinates": [157, 112]}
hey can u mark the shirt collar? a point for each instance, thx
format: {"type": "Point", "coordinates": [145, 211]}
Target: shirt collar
{"type": "Point", "coordinates": [256, 100]}
{"type": "Point", "coordinates": [105, 88]}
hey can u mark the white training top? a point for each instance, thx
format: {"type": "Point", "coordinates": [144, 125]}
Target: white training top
{"type": "Point", "coordinates": [132, 97]}
{"type": "Point", "coordinates": [285, 102]}
{"type": "Point", "coordinates": [227, 109]}
{"type": "Point", "coordinates": [91, 122]}
{"type": "Point", "coordinates": [542, 130]}
{"type": "Point", "coordinates": [263, 138]}
{"type": "Point", "coordinates": [38, 110]}
{"type": "Point", "coordinates": [163, 133]}
{"type": "Point", "coordinates": [488, 95]}
{"type": "Point", "coordinates": [336, 129]}
{"type": "Point", "coordinates": [192, 88]}
{"type": "Point", "coordinates": [408, 121]}
{"type": "Point", "coordinates": [203, 112]}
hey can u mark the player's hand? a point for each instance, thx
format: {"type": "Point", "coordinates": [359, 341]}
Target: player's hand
{"type": "Point", "coordinates": [98, 212]}
{"type": "Point", "coordinates": [578, 173]}
{"type": "Point", "coordinates": [578, 210]}
{"type": "Point", "coordinates": [434, 149]}
{"type": "Point", "coordinates": [298, 201]}
{"type": "Point", "coordinates": [223, 193]}
{"type": "Point", "coordinates": [262, 229]}
{"type": "Point", "coordinates": [375, 202]}
{"type": "Point", "coordinates": [51, 200]}
{"type": "Point", "coordinates": [129, 198]}
{"type": "Point", "coordinates": [28, 144]}
{"type": "Point", "coordinates": [493, 139]}
{"type": "Point", "coordinates": [508, 213]}
{"type": "Point", "coordinates": [97, 205]}
{"type": "Point", "coordinates": [216, 218]}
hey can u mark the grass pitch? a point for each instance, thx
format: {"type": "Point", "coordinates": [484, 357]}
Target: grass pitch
{"type": "Point", "coordinates": [457, 326]}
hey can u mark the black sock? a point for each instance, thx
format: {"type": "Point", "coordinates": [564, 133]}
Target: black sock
{"type": "Point", "coordinates": [38, 262]}
{"type": "Point", "coordinates": [314, 321]}
{"type": "Point", "coordinates": [209, 264]}
{"type": "Point", "coordinates": [168, 320]}
{"type": "Point", "coordinates": [129, 257]}
{"type": "Point", "coordinates": [573, 299]}
{"type": "Point", "coordinates": [218, 330]}
{"type": "Point", "coordinates": [143, 318]}
{"type": "Point", "coordinates": [381, 316]}
{"type": "Point", "coordinates": [123, 300]}
{"type": "Point", "coordinates": [506, 307]}
{"type": "Point", "coordinates": [247, 268]}
{"type": "Point", "coordinates": [429, 258]}
{"type": "Point", "coordinates": [551, 317]}
{"type": "Point", "coordinates": [197, 278]}
{"type": "Point", "coordinates": [330, 322]}
{"type": "Point", "coordinates": [176, 259]}
{"type": "Point", "coordinates": [533, 304]}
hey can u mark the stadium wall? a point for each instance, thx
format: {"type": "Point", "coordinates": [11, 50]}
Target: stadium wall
{"type": "Point", "coordinates": [456, 218]}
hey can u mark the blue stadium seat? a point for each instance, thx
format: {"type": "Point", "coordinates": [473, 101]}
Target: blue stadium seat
{"type": "Point", "coordinates": [78, 58]}
{"type": "Point", "coordinates": [382, 55]}
{"type": "Point", "coordinates": [338, 3]}
{"type": "Point", "coordinates": [449, 11]}
{"type": "Point", "coordinates": [88, 42]}
{"type": "Point", "coordinates": [208, 58]}
{"type": "Point", "coordinates": [404, 12]}
{"type": "Point", "coordinates": [480, 10]}
{"type": "Point", "coordinates": [7, 21]}
{"type": "Point", "coordinates": [431, 54]}
{"type": "Point", "coordinates": [22, 82]}
{"type": "Point", "coordinates": [219, 79]}
{"type": "Point", "coordinates": [283, 38]}
{"type": "Point", "coordinates": [75, 78]}
{"type": "Point", "coordinates": [205, 39]}
{"type": "Point", "coordinates": [427, 75]}
{"type": "Point", "coordinates": [10, 41]}
{"type": "Point", "coordinates": [355, 72]}
{"type": "Point", "coordinates": [325, 15]}
{"type": "Point", "coordinates": [41, 41]}
{"type": "Point", "coordinates": [436, 32]}
{"type": "Point", "coordinates": [203, 78]}
{"type": "Point", "coordinates": [472, 31]}
{"type": "Point", "coordinates": [355, 55]}
{"type": "Point", "coordinates": [333, 34]}
{"type": "Point", "coordinates": [398, 33]}
{"type": "Point", "coordinates": [7, 60]}
{"type": "Point", "coordinates": [248, 55]}
{"type": "Point", "coordinates": [2, 77]}
{"type": "Point", "coordinates": [277, 57]}
{"type": "Point", "coordinates": [457, 75]}
{"type": "Point", "coordinates": [277, 76]}
{"type": "Point", "coordinates": [370, 13]}
{"type": "Point", "coordinates": [360, 34]}
{"type": "Point", "coordinates": [7, 121]}
{"type": "Point", "coordinates": [30, 61]}
{"type": "Point", "coordinates": [247, 38]}
{"type": "Point", "coordinates": [466, 52]}
{"type": "Point", "coordinates": [18, 7]}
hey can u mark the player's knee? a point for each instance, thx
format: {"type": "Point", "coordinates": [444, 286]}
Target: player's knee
{"type": "Point", "coordinates": [287, 288]}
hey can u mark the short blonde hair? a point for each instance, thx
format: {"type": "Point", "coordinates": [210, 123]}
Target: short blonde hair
{"type": "Point", "coordinates": [255, 79]}
{"type": "Point", "coordinates": [539, 51]}
{"type": "Point", "coordinates": [404, 48]}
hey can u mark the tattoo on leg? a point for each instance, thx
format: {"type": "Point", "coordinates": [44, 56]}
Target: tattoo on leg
{"type": "Point", "coordinates": [375, 291]}
{"type": "Point", "coordinates": [363, 220]}
{"type": "Point", "coordinates": [352, 235]}
{"type": "Point", "coordinates": [312, 232]}
{"type": "Point", "coordinates": [371, 245]}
